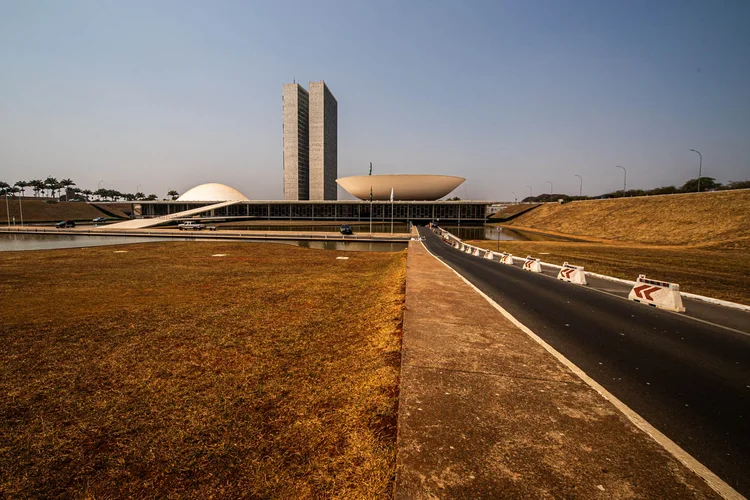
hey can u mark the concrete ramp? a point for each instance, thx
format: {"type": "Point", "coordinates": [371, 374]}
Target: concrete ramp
{"type": "Point", "coordinates": [155, 221]}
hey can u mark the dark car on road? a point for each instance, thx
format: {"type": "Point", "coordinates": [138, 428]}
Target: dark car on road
{"type": "Point", "coordinates": [100, 219]}
{"type": "Point", "coordinates": [346, 229]}
{"type": "Point", "coordinates": [65, 223]}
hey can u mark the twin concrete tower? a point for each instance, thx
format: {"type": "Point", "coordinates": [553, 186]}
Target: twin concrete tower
{"type": "Point", "coordinates": [310, 137]}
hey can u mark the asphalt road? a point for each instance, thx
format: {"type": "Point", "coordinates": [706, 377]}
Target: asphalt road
{"type": "Point", "coordinates": [690, 379]}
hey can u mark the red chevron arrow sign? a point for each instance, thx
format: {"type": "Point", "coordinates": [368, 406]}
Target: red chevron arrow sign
{"type": "Point", "coordinates": [645, 291]}
{"type": "Point", "coordinates": [567, 272]}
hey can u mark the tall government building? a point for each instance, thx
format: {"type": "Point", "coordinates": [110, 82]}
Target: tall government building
{"type": "Point", "coordinates": [310, 142]}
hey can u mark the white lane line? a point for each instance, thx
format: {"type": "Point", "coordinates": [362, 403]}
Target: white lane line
{"type": "Point", "coordinates": [714, 481]}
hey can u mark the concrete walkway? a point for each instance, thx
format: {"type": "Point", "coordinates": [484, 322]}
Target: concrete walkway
{"type": "Point", "coordinates": [486, 412]}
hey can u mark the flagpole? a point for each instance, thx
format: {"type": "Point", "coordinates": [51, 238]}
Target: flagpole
{"type": "Point", "coordinates": [391, 210]}
{"type": "Point", "coordinates": [371, 202]}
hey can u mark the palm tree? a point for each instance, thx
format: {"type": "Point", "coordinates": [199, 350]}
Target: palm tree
{"type": "Point", "coordinates": [4, 186]}
{"type": "Point", "coordinates": [50, 183]}
{"type": "Point", "coordinates": [66, 183]}
{"type": "Point", "coordinates": [139, 195]}
{"type": "Point", "coordinates": [87, 193]}
{"type": "Point", "coordinates": [23, 185]}
{"type": "Point", "coordinates": [174, 194]}
{"type": "Point", "coordinates": [38, 185]}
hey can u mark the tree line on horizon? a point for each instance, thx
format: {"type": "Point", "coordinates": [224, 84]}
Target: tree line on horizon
{"type": "Point", "coordinates": [50, 187]}
{"type": "Point", "coordinates": [691, 186]}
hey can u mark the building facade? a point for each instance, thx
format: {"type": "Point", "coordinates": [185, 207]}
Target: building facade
{"type": "Point", "coordinates": [310, 142]}
{"type": "Point", "coordinates": [295, 105]}
{"type": "Point", "coordinates": [323, 142]}
{"type": "Point", "coordinates": [469, 213]}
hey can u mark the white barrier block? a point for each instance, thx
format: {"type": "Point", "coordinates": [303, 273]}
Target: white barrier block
{"type": "Point", "coordinates": [476, 252]}
{"type": "Point", "coordinates": [489, 255]}
{"type": "Point", "coordinates": [507, 258]}
{"type": "Point", "coordinates": [467, 249]}
{"type": "Point", "coordinates": [657, 293]}
{"type": "Point", "coordinates": [572, 274]}
{"type": "Point", "coordinates": [532, 264]}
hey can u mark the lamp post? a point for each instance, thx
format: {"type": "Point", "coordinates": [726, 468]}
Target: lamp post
{"type": "Point", "coordinates": [700, 167]}
{"type": "Point", "coordinates": [515, 198]}
{"type": "Point", "coordinates": [550, 187]}
{"type": "Point", "coordinates": [624, 180]}
{"type": "Point", "coordinates": [531, 192]}
{"type": "Point", "coordinates": [580, 188]}
{"type": "Point", "coordinates": [138, 189]}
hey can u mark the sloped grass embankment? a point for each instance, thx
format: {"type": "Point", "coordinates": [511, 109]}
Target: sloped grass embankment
{"type": "Point", "coordinates": [684, 219]}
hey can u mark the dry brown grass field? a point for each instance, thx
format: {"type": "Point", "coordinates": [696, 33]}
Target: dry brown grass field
{"type": "Point", "coordinates": [39, 211]}
{"type": "Point", "coordinates": [684, 219]}
{"type": "Point", "coordinates": [723, 274]}
{"type": "Point", "coordinates": [161, 371]}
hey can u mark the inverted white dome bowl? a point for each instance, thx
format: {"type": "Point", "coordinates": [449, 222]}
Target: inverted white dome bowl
{"type": "Point", "coordinates": [406, 187]}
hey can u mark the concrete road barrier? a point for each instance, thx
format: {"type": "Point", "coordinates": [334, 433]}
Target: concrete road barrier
{"type": "Point", "coordinates": [489, 255]}
{"type": "Point", "coordinates": [657, 294]}
{"type": "Point", "coordinates": [572, 274]}
{"type": "Point", "coordinates": [506, 258]}
{"type": "Point", "coordinates": [477, 252]}
{"type": "Point", "coordinates": [532, 264]}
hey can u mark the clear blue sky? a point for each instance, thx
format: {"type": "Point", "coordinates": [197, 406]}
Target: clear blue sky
{"type": "Point", "coordinates": [169, 94]}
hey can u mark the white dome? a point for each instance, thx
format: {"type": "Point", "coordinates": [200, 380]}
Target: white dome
{"type": "Point", "coordinates": [212, 192]}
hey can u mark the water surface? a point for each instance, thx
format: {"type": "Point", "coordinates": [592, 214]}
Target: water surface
{"type": "Point", "coordinates": [23, 242]}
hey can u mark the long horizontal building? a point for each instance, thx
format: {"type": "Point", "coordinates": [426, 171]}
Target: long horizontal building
{"type": "Point", "coordinates": [463, 212]}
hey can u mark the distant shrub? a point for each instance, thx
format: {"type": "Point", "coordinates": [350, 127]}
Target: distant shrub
{"type": "Point", "coordinates": [737, 185]}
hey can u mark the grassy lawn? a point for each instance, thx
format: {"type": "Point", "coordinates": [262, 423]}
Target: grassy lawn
{"type": "Point", "coordinates": [722, 272]}
{"type": "Point", "coordinates": [165, 372]}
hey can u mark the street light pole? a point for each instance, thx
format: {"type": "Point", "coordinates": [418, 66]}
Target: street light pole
{"type": "Point", "coordinates": [624, 180]}
{"type": "Point", "coordinates": [138, 189]}
{"type": "Point", "coordinates": [580, 189]}
{"type": "Point", "coordinates": [515, 197]}
{"type": "Point", "coordinates": [700, 167]}
{"type": "Point", "coordinates": [550, 187]}
{"type": "Point", "coordinates": [531, 192]}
